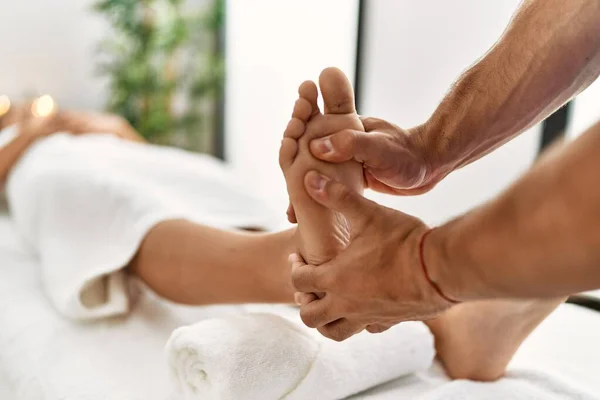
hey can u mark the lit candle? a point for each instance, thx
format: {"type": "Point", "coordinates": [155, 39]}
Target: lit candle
{"type": "Point", "coordinates": [43, 106]}
{"type": "Point", "coordinates": [4, 105]}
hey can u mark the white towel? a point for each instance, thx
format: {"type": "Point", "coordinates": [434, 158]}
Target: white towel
{"type": "Point", "coordinates": [84, 204]}
{"type": "Point", "coordinates": [46, 357]}
{"type": "Point", "coordinates": [267, 357]}
{"type": "Point", "coordinates": [517, 385]}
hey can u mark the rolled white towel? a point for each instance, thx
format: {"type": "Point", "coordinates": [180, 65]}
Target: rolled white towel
{"type": "Point", "coordinates": [267, 357]}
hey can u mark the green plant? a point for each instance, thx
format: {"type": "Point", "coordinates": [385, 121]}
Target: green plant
{"type": "Point", "coordinates": [164, 68]}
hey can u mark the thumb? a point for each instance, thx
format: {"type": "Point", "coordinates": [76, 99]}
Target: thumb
{"type": "Point", "coordinates": [338, 197]}
{"type": "Point", "coordinates": [349, 144]}
{"type": "Point", "coordinates": [388, 159]}
{"type": "Point", "coordinates": [402, 171]}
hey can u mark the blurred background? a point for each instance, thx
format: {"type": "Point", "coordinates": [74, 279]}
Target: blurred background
{"type": "Point", "coordinates": [220, 76]}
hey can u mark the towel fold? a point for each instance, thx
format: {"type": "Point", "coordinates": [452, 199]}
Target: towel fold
{"type": "Point", "coordinates": [85, 203]}
{"type": "Point", "coordinates": [268, 357]}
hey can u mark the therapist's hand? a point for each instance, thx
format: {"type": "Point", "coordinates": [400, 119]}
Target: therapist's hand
{"type": "Point", "coordinates": [395, 160]}
{"type": "Point", "coordinates": [377, 280]}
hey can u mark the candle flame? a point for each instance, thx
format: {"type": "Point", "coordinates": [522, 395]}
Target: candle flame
{"type": "Point", "coordinates": [4, 105]}
{"type": "Point", "coordinates": [43, 106]}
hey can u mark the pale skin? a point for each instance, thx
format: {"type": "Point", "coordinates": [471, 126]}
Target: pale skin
{"type": "Point", "coordinates": [537, 242]}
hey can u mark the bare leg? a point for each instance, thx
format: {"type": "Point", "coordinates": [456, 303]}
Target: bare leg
{"type": "Point", "coordinates": [198, 265]}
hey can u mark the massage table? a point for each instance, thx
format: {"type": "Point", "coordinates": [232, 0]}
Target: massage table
{"type": "Point", "coordinates": [45, 356]}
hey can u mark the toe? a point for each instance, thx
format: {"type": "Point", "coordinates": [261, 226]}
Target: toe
{"type": "Point", "coordinates": [337, 92]}
{"type": "Point", "coordinates": [287, 153]}
{"type": "Point", "coordinates": [308, 90]}
{"type": "Point", "coordinates": [302, 110]}
{"type": "Point", "coordinates": [295, 129]}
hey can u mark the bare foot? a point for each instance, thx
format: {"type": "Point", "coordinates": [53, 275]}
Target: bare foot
{"type": "Point", "coordinates": [473, 340]}
{"type": "Point", "coordinates": [323, 233]}
{"type": "Point", "coordinates": [477, 340]}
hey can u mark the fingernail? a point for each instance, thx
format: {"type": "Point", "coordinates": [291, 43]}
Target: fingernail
{"type": "Point", "coordinates": [318, 182]}
{"type": "Point", "coordinates": [325, 146]}
{"type": "Point", "coordinates": [298, 298]}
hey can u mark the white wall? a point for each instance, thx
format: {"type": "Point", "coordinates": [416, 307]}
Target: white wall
{"type": "Point", "coordinates": [48, 47]}
{"type": "Point", "coordinates": [272, 46]}
{"type": "Point", "coordinates": [586, 111]}
{"type": "Point", "coordinates": [415, 50]}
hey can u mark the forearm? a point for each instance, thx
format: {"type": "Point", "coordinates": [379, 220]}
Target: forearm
{"type": "Point", "coordinates": [548, 54]}
{"type": "Point", "coordinates": [541, 238]}
{"type": "Point", "coordinates": [10, 154]}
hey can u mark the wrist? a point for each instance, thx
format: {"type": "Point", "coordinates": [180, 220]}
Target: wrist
{"type": "Point", "coordinates": [458, 131]}
{"type": "Point", "coordinates": [425, 141]}
{"type": "Point", "coordinates": [433, 280]}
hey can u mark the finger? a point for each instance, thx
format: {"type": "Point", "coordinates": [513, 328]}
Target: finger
{"type": "Point", "coordinates": [375, 184]}
{"type": "Point", "coordinates": [338, 197]}
{"type": "Point", "coordinates": [291, 214]}
{"type": "Point", "coordinates": [341, 329]}
{"type": "Point", "coordinates": [371, 148]}
{"type": "Point", "coordinates": [345, 145]}
{"type": "Point", "coordinates": [385, 157]}
{"type": "Point", "coordinates": [304, 298]}
{"type": "Point", "coordinates": [306, 278]}
{"type": "Point", "coordinates": [319, 312]}
{"type": "Point", "coordinates": [375, 124]}
{"type": "Point", "coordinates": [378, 328]}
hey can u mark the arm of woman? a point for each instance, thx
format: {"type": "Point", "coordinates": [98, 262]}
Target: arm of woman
{"type": "Point", "coordinates": [82, 122]}
{"type": "Point", "coordinates": [11, 153]}
{"type": "Point", "coordinates": [74, 122]}
{"type": "Point", "coordinates": [29, 130]}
